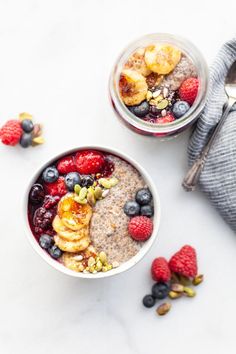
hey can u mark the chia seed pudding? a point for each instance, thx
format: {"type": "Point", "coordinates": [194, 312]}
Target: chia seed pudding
{"type": "Point", "coordinates": [91, 211]}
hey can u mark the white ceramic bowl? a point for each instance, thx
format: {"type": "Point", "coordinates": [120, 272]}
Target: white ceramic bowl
{"type": "Point", "coordinates": [123, 267]}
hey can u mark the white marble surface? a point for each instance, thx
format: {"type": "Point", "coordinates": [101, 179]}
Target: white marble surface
{"type": "Point", "coordinates": [55, 60]}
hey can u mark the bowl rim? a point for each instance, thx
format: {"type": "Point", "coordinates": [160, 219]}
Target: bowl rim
{"type": "Point", "coordinates": [126, 265]}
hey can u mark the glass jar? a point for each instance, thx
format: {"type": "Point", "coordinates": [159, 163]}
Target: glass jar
{"type": "Point", "coordinates": [178, 125]}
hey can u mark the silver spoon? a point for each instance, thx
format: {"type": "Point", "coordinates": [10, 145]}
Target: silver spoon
{"type": "Point", "coordinates": [192, 177]}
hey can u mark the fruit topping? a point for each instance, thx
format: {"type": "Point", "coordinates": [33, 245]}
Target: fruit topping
{"type": "Point", "coordinates": [26, 140]}
{"type": "Point", "coordinates": [162, 58]}
{"type": "Point", "coordinates": [46, 241]}
{"type": "Point", "coordinates": [72, 246]}
{"type": "Point", "coordinates": [66, 165]}
{"type": "Point", "coordinates": [71, 179]}
{"type": "Point", "coordinates": [27, 125]}
{"type": "Point", "coordinates": [143, 196]}
{"type": "Point", "coordinates": [11, 132]}
{"type": "Point", "coordinates": [57, 188]}
{"type": "Point", "coordinates": [160, 270]}
{"type": "Point", "coordinates": [180, 108]}
{"type": "Point", "coordinates": [141, 110]}
{"type": "Point", "coordinates": [131, 208]}
{"type": "Point", "coordinates": [160, 290]}
{"type": "Point", "coordinates": [133, 87]}
{"type": "Point", "coordinates": [189, 89]}
{"type": "Point", "coordinates": [166, 119]}
{"type": "Point", "coordinates": [37, 194]}
{"type": "Point", "coordinates": [55, 252]}
{"type": "Point", "coordinates": [74, 215]}
{"type": "Point", "coordinates": [147, 210]}
{"type": "Point", "coordinates": [86, 181]}
{"type": "Point", "coordinates": [137, 63]}
{"type": "Point", "coordinates": [149, 301]}
{"type": "Point", "coordinates": [43, 218]}
{"type": "Point", "coordinates": [184, 262]}
{"type": "Point", "coordinates": [50, 201]}
{"type": "Point", "coordinates": [140, 228]}
{"type": "Point", "coordinates": [89, 162]}
{"type": "Point", "coordinates": [50, 174]}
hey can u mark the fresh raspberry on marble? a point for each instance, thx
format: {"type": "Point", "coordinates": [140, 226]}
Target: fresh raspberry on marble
{"type": "Point", "coordinates": [89, 162]}
{"type": "Point", "coordinates": [184, 262]}
{"type": "Point", "coordinates": [189, 89]}
{"type": "Point", "coordinates": [57, 188]}
{"type": "Point", "coordinates": [160, 270]}
{"type": "Point", "coordinates": [11, 132]}
{"type": "Point", "coordinates": [66, 165]}
{"type": "Point", "coordinates": [140, 228]}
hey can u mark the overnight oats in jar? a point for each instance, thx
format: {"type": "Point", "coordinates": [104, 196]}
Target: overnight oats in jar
{"type": "Point", "coordinates": [158, 85]}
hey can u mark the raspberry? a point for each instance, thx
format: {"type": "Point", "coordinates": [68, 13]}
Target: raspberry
{"type": "Point", "coordinates": [50, 201]}
{"type": "Point", "coordinates": [167, 119]}
{"type": "Point", "coordinates": [89, 162]}
{"type": "Point", "coordinates": [160, 270]}
{"type": "Point", "coordinates": [57, 188]}
{"type": "Point", "coordinates": [66, 165]}
{"type": "Point", "coordinates": [184, 262]}
{"type": "Point", "coordinates": [140, 228]}
{"type": "Point", "coordinates": [11, 132]}
{"type": "Point", "coordinates": [189, 89]}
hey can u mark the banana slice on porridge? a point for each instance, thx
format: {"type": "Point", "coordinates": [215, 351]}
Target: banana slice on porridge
{"type": "Point", "coordinates": [72, 246]}
{"type": "Point", "coordinates": [137, 63]}
{"type": "Point", "coordinates": [68, 234]}
{"type": "Point", "coordinates": [162, 58]}
{"type": "Point", "coordinates": [73, 215]}
{"type": "Point", "coordinates": [133, 87]}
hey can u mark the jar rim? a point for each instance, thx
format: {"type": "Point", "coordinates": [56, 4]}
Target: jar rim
{"type": "Point", "coordinates": [191, 51]}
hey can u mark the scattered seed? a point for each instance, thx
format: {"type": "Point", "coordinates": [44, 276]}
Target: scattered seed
{"type": "Point", "coordinates": [103, 257]}
{"type": "Point", "coordinates": [37, 130]}
{"type": "Point", "coordinates": [163, 112]}
{"type": "Point", "coordinates": [198, 279]}
{"type": "Point", "coordinates": [162, 104]}
{"type": "Point", "coordinates": [174, 295]}
{"type": "Point", "coordinates": [105, 183]}
{"type": "Point", "coordinates": [189, 292]}
{"type": "Point", "coordinates": [184, 280]}
{"type": "Point", "coordinates": [152, 102]}
{"type": "Point", "coordinates": [163, 309]}
{"type": "Point", "coordinates": [90, 197]}
{"type": "Point", "coordinates": [178, 288]}
{"type": "Point", "coordinates": [149, 95]}
{"type": "Point", "coordinates": [156, 93]}
{"type": "Point", "coordinates": [24, 115]}
{"type": "Point", "coordinates": [165, 92]}
{"type": "Point", "coordinates": [78, 257]}
{"type": "Point", "coordinates": [38, 140]}
{"type": "Point", "coordinates": [85, 271]}
{"type": "Point", "coordinates": [98, 266]}
{"type": "Point", "coordinates": [91, 261]}
{"type": "Point", "coordinates": [105, 193]}
{"type": "Point", "coordinates": [98, 192]}
{"type": "Point", "coordinates": [104, 269]}
{"type": "Point", "coordinates": [83, 192]}
{"type": "Point", "coordinates": [113, 181]}
{"type": "Point", "coordinates": [77, 189]}
{"type": "Point", "coordinates": [115, 264]}
{"type": "Point", "coordinates": [80, 201]}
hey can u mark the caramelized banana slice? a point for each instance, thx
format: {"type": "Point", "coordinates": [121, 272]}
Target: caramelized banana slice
{"type": "Point", "coordinates": [74, 215]}
{"type": "Point", "coordinates": [137, 63]}
{"type": "Point", "coordinates": [162, 58]}
{"type": "Point", "coordinates": [133, 87]}
{"type": "Point", "coordinates": [66, 233]}
{"type": "Point", "coordinates": [74, 246]}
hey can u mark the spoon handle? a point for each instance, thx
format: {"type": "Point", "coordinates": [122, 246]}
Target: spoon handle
{"type": "Point", "coordinates": [191, 179]}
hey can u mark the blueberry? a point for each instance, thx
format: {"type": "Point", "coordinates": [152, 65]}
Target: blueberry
{"type": "Point", "coordinates": [141, 110]}
{"type": "Point", "coordinates": [143, 196]}
{"type": "Point", "coordinates": [72, 179]}
{"type": "Point", "coordinates": [37, 194]}
{"type": "Point", "coordinates": [86, 181]}
{"type": "Point", "coordinates": [46, 241]}
{"type": "Point", "coordinates": [55, 252]}
{"type": "Point", "coordinates": [27, 125]}
{"type": "Point", "coordinates": [131, 208]}
{"type": "Point", "coordinates": [149, 301]}
{"type": "Point", "coordinates": [160, 290]}
{"type": "Point", "coordinates": [26, 140]}
{"type": "Point", "coordinates": [50, 175]}
{"type": "Point", "coordinates": [147, 210]}
{"type": "Point", "coordinates": [180, 108]}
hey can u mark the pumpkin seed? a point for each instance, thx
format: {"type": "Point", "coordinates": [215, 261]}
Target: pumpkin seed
{"type": "Point", "coordinates": [163, 309]}
{"type": "Point", "coordinates": [77, 189]}
{"type": "Point", "coordinates": [162, 104]}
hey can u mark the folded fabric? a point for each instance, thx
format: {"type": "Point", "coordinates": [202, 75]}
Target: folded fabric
{"type": "Point", "coordinates": [218, 178]}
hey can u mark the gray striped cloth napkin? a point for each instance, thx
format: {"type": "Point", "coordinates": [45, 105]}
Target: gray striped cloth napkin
{"type": "Point", "coordinates": [218, 178]}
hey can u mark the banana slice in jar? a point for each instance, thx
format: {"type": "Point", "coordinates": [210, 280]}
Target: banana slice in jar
{"type": "Point", "coordinates": [133, 87]}
{"type": "Point", "coordinates": [137, 63]}
{"type": "Point", "coordinates": [73, 215]}
{"type": "Point", "coordinates": [72, 246]}
{"type": "Point", "coordinates": [162, 58]}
